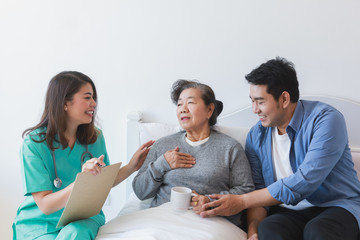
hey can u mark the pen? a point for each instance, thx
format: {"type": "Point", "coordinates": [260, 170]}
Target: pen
{"type": "Point", "coordinates": [98, 164]}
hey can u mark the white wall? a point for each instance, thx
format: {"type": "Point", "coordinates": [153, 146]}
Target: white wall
{"type": "Point", "coordinates": [135, 49]}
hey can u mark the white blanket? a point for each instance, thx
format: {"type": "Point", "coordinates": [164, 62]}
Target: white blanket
{"type": "Point", "coordinates": [163, 223]}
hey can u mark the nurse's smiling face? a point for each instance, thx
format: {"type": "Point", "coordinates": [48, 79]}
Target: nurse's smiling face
{"type": "Point", "coordinates": [80, 110]}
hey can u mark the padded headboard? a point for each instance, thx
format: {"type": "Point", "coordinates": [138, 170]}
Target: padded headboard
{"type": "Point", "coordinates": [237, 124]}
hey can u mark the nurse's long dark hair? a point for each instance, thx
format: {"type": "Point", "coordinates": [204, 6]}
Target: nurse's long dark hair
{"type": "Point", "coordinates": [61, 89]}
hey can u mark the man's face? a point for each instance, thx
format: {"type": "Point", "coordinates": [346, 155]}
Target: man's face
{"type": "Point", "coordinates": [269, 110]}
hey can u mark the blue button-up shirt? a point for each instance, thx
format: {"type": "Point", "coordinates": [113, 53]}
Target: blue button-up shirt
{"type": "Point", "coordinates": [319, 156]}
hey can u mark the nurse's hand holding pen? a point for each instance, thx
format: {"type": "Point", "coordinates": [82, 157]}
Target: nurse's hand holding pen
{"type": "Point", "coordinates": [94, 165]}
{"type": "Point", "coordinates": [49, 201]}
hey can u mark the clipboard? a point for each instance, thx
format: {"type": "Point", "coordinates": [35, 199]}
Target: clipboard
{"type": "Point", "coordinates": [88, 194]}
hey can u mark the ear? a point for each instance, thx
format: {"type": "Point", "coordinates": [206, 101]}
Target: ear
{"type": "Point", "coordinates": [65, 107]}
{"type": "Point", "coordinates": [284, 99]}
{"type": "Point", "coordinates": [211, 109]}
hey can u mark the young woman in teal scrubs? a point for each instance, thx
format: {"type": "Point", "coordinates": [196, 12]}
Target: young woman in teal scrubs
{"type": "Point", "coordinates": [64, 143]}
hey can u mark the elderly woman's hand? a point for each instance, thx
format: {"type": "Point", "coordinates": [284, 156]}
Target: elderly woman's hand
{"type": "Point", "coordinates": [178, 159]}
{"type": "Point", "coordinates": [198, 201]}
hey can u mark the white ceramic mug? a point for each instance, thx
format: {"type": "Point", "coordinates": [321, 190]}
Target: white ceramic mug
{"type": "Point", "coordinates": [180, 198]}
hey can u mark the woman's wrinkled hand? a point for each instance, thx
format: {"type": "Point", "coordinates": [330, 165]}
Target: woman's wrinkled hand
{"type": "Point", "coordinates": [198, 201]}
{"type": "Point", "coordinates": [178, 159]}
{"type": "Point", "coordinates": [93, 165]}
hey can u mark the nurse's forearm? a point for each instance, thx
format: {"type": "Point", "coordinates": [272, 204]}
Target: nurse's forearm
{"type": "Point", "coordinates": [50, 202]}
{"type": "Point", "coordinates": [123, 173]}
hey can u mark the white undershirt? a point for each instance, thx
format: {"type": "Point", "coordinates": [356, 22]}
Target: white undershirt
{"type": "Point", "coordinates": [197, 143]}
{"type": "Point", "coordinates": [281, 160]}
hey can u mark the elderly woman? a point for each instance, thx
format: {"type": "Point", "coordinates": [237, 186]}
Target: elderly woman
{"type": "Point", "coordinates": [199, 157]}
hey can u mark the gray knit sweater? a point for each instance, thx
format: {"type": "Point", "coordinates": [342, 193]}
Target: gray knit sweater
{"type": "Point", "coordinates": [221, 167]}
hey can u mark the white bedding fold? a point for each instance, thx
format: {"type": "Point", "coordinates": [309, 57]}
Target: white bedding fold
{"type": "Point", "coordinates": [163, 223]}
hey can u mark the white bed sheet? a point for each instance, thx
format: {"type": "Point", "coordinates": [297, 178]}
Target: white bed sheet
{"type": "Point", "coordinates": [137, 221]}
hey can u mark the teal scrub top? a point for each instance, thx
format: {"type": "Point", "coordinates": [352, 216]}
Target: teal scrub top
{"type": "Point", "coordinates": [38, 174]}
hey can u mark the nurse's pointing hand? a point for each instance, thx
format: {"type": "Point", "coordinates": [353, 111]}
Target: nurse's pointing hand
{"type": "Point", "coordinates": [139, 156]}
{"type": "Point", "coordinates": [94, 165]}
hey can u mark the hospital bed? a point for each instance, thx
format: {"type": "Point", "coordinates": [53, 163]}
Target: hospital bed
{"type": "Point", "coordinates": [137, 221]}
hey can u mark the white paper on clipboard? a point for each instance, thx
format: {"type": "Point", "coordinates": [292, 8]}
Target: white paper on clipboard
{"type": "Point", "coordinates": [89, 194]}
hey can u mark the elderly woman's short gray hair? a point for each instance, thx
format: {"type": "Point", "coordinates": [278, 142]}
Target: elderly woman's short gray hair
{"type": "Point", "coordinates": [207, 94]}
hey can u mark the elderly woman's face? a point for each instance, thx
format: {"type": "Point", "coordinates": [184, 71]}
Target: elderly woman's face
{"type": "Point", "coordinates": [191, 111]}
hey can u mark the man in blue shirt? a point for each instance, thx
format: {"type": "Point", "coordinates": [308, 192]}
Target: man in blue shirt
{"type": "Point", "coordinates": [302, 168]}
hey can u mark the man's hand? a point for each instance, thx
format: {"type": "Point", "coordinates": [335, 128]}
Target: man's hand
{"type": "Point", "coordinates": [225, 205]}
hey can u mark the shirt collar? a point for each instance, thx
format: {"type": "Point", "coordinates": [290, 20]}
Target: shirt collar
{"type": "Point", "coordinates": [297, 118]}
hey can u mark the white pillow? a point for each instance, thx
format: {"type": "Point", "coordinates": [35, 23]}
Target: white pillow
{"type": "Point", "coordinates": [239, 134]}
{"type": "Point", "coordinates": [154, 131]}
